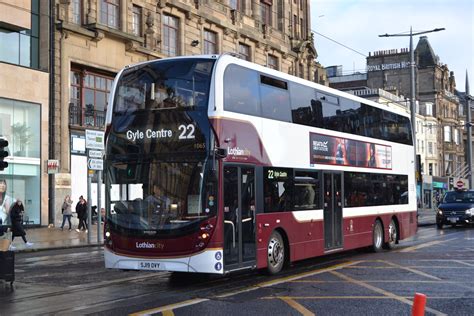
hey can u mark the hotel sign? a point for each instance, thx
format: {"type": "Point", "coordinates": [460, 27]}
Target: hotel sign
{"type": "Point", "coordinates": [392, 66]}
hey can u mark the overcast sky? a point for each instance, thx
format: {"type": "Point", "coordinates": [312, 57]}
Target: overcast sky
{"type": "Point", "coordinates": [357, 24]}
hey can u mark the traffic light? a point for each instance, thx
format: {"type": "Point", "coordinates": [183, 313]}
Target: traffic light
{"type": "Point", "coordinates": [3, 154]}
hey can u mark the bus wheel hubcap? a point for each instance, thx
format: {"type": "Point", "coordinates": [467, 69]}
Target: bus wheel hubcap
{"type": "Point", "coordinates": [275, 252]}
{"type": "Point", "coordinates": [392, 233]}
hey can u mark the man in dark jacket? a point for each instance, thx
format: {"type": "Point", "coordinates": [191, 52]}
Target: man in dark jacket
{"type": "Point", "coordinates": [81, 210]}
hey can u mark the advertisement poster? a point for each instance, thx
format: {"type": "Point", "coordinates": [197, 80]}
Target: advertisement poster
{"type": "Point", "coordinates": [332, 150]}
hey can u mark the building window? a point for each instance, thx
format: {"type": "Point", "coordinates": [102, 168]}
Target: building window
{"type": "Point", "coordinates": [22, 48]}
{"type": "Point", "coordinates": [461, 109]}
{"type": "Point", "coordinates": [244, 51]}
{"type": "Point", "coordinates": [295, 26]}
{"type": "Point", "coordinates": [302, 29]}
{"type": "Point", "coordinates": [89, 94]}
{"type": "Point", "coordinates": [272, 62]}
{"type": "Point", "coordinates": [210, 42]}
{"type": "Point", "coordinates": [109, 13]}
{"type": "Point", "coordinates": [456, 136]}
{"type": "Point", "coordinates": [430, 148]}
{"type": "Point", "coordinates": [21, 126]}
{"type": "Point", "coordinates": [301, 70]}
{"type": "Point", "coordinates": [447, 134]}
{"type": "Point", "coordinates": [170, 35]}
{"type": "Point", "coordinates": [137, 21]}
{"type": "Point", "coordinates": [238, 5]}
{"type": "Point", "coordinates": [280, 17]}
{"type": "Point", "coordinates": [429, 109]}
{"type": "Point", "coordinates": [76, 11]}
{"type": "Point", "coordinates": [266, 13]}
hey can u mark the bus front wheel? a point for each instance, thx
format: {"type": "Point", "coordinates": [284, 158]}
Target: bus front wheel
{"type": "Point", "coordinates": [377, 237]}
{"type": "Point", "coordinates": [275, 253]}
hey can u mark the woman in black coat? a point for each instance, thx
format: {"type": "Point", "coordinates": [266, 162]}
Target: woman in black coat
{"type": "Point", "coordinates": [81, 210]}
{"type": "Point", "coordinates": [16, 217]}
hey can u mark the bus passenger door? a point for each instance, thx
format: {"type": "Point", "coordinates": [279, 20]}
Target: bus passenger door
{"type": "Point", "coordinates": [332, 210]}
{"type": "Point", "coordinates": [239, 217]}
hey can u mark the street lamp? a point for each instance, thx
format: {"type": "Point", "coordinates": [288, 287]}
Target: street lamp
{"type": "Point", "coordinates": [412, 89]}
{"type": "Point", "coordinates": [469, 134]}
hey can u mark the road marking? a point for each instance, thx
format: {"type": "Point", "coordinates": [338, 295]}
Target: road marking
{"type": "Point", "coordinates": [411, 270]}
{"type": "Point", "coordinates": [425, 245]}
{"type": "Point", "coordinates": [300, 308]}
{"type": "Point", "coordinates": [381, 291]}
{"type": "Point", "coordinates": [368, 297]}
{"type": "Point", "coordinates": [170, 308]}
{"type": "Point", "coordinates": [465, 263]}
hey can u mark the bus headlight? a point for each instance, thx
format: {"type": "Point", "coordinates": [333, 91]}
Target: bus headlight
{"type": "Point", "coordinates": [107, 234]}
{"type": "Point", "coordinates": [470, 211]}
{"type": "Point", "coordinates": [440, 212]}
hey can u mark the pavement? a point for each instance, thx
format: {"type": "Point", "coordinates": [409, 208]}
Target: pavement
{"type": "Point", "coordinates": [44, 238]}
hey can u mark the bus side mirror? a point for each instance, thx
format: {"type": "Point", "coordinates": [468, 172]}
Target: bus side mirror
{"type": "Point", "coordinates": [220, 153]}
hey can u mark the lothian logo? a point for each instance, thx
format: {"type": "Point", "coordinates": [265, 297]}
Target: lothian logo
{"type": "Point", "coordinates": [145, 245]}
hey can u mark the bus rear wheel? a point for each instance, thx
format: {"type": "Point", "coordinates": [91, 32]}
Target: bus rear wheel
{"type": "Point", "coordinates": [377, 237]}
{"type": "Point", "coordinates": [392, 235]}
{"type": "Point", "coordinates": [275, 253]}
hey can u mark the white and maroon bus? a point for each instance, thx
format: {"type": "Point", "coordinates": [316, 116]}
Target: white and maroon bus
{"type": "Point", "coordinates": [214, 164]}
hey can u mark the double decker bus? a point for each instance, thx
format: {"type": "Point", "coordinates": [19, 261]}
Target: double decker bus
{"type": "Point", "coordinates": [215, 164]}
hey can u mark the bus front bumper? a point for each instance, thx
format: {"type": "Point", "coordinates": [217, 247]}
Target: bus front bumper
{"type": "Point", "coordinates": [207, 261]}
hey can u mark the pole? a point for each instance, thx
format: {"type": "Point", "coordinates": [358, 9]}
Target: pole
{"type": "Point", "coordinates": [89, 201]}
{"type": "Point", "coordinates": [469, 140]}
{"type": "Point", "coordinates": [413, 111]}
{"type": "Point", "coordinates": [99, 203]}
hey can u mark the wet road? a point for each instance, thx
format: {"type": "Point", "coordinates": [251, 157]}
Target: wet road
{"type": "Point", "coordinates": [439, 264]}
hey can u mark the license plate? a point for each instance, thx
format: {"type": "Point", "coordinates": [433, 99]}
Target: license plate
{"type": "Point", "coordinates": [147, 265]}
{"type": "Point", "coordinates": [453, 219]}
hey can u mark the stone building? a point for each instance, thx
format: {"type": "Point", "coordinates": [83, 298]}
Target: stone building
{"type": "Point", "coordinates": [94, 39]}
{"type": "Point", "coordinates": [24, 106]}
{"type": "Point", "coordinates": [435, 93]}
{"type": "Point", "coordinates": [440, 116]}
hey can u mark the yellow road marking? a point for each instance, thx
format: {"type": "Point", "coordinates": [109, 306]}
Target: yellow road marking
{"type": "Point", "coordinates": [425, 245]}
{"type": "Point", "coordinates": [411, 270]}
{"type": "Point", "coordinates": [382, 291]}
{"type": "Point", "coordinates": [168, 309]}
{"type": "Point", "coordinates": [300, 308]}
{"type": "Point", "coordinates": [290, 278]}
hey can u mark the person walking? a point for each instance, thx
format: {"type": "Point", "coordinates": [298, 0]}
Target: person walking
{"type": "Point", "coordinates": [67, 211]}
{"type": "Point", "coordinates": [16, 218]}
{"type": "Point", "coordinates": [6, 203]}
{"type": "Point", "coordinates": [81, 210]}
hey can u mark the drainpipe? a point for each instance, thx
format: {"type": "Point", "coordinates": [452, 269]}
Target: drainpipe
{"type": "Point", "coordinates": [51, 184]}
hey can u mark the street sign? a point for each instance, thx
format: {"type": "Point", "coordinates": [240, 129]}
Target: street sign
{"type": "Point", "coordinates": [95, 164]}
{"type": "Point", "coordinates": [95, 154]}
{"type": "Point", "coordinates": [95, 139]}
{"type": "Point", "coordinates": [52, 166]}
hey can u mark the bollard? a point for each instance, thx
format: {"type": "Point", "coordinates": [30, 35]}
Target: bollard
{"type": "Point", "coordinates": [419, 303]}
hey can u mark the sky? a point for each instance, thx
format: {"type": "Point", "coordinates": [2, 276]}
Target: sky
{"type": "Point", "coordinates": [357, 24]}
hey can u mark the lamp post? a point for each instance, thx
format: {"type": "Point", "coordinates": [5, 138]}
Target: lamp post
{"type": "Point", "coordinates": [412, 89]}
{"type": "Point", "coordinates": [469, 134]}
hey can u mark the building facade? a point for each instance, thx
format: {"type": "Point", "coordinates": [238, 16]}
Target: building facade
{"type": "Point", "coordinates": [440, 116]}
{"type": "Point", "coordinates": [94, 39]}
{"type": "Point", "coordinates": [437, 102]}
{"type": "Point", "coordinates": [24, 106]}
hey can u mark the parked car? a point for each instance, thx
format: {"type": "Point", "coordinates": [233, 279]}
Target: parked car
{"type": "Point", "coordinates": [456, 207]}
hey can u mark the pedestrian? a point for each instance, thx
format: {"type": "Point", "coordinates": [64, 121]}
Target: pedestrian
{"type": "Point", "coordinates": [67, 211]}
{"type": "Point", "coordinates": [6, 203]}
{"type": "Point", "coordinates": [16, 218]}
{"type": "Point", "coordinates": [81, 210]}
